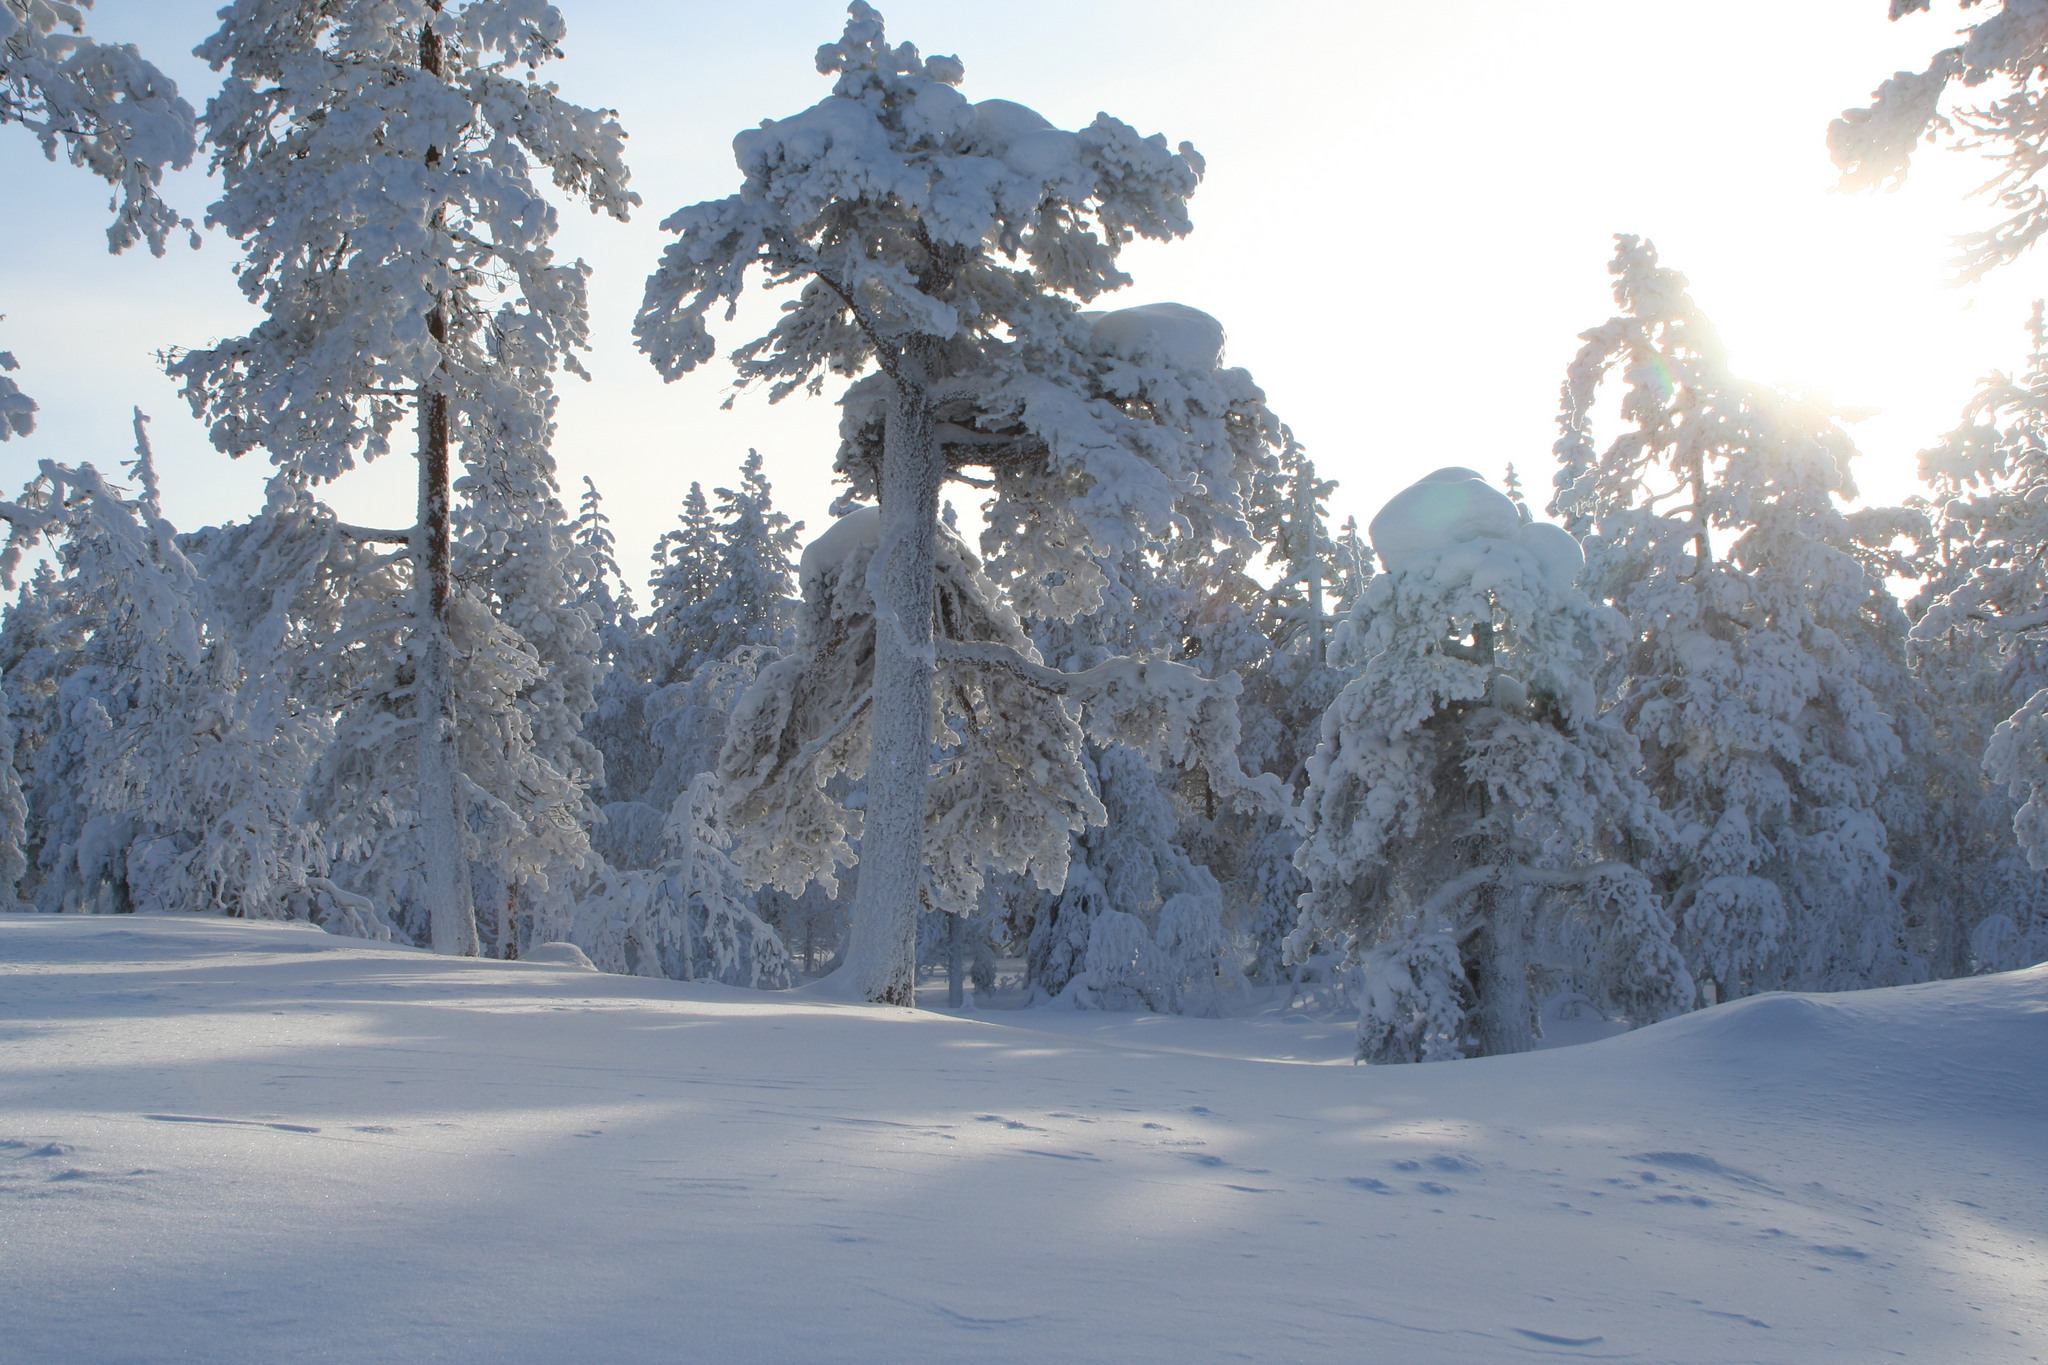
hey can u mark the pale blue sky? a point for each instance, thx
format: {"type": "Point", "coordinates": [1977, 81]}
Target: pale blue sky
{"type": "Point", "coordinates": [1405, 224]}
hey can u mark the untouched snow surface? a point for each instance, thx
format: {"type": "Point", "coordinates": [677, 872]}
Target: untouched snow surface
{"type": "Point", "coordinates": [237, 1142]}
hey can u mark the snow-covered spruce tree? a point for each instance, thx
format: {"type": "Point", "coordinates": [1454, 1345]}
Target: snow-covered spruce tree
{"type": "Point", "coordinates": [168, 767]}
{"type": "Point", "coordinates": [724, 595]}
{"type": "Point", "coordinates": [2007, 47]}
{"type": "Point", "coordinates": [1137, 922]}
{"type": "Point", "coordinates": [163, 779]}
{"type": "Point", "coordinates": [111, 112]}
{"type": "Point", "coordinates": [1286, 693]}
{"type": "Point", "coordinates": [376, 159]}
{"type": "Point", "coordinates": [1746, 678]}
{"type": "Point", "coordinates": [33, 656]}
{"type": "Point", "coordinates": [13, 811]}
{"type": "Point", "coordinates": [1212, 884]}
{"type": "Point", "coordinates": [685, 568]}
{"type": "Point", "coordinates": [1471, 812]}
{"type": "Point", "coordinates": [120, 630]}
{"type": "Point", "coordinates": [615, 724]}
{"type": "Point", "coordinates": [748, 583]}
{"type": "Point", "coordinates": [601, 587]}
{"type": "Point", "coordinates": [314, 614]}
{"type": "Point", "coordinates": [948, 246]}
{"type": "Point", "coordinates": [1980, 652]}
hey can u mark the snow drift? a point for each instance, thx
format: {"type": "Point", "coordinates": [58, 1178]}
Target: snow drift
{"type": "Point", "coordinates": [242, 1142]}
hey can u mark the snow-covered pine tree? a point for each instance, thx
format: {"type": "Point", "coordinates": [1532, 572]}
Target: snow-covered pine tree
{"type": "Point", "coordinates": [949, 246]}
{"type": "Point", "coordinates": [1981, 653]}
{"type": "Point", "coordinates": [111, 112]}
{"type": "Point", "coordinates": [1746, 685]}
{"type": "Point", "coordinates": [1471, 812]}
{"type": "Point", "coordinates": [2008, 46]}
{"type": "Point", "coordinates": [376, 159]}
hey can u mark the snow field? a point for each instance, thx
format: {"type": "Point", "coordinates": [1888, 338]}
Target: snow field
{"type": "Point", "coordinates": [231, 1142]}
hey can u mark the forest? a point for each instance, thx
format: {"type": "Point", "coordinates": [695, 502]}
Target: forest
{"type": "Point", "coordinates": [1083, 696]}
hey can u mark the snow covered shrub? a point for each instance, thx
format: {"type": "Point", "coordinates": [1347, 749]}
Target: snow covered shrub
{"type": "Point", "coordinates": [1472, 812]}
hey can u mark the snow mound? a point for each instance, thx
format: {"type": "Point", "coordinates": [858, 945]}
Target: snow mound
{"type": "Point", "coordinates": [851, 532]}
{"type": "Point", "coordinates": [560, 955]}
{"type": "Point", "coordinates": [1184, 337]}
{"type": "Point", "coordinates": [1455, 506]}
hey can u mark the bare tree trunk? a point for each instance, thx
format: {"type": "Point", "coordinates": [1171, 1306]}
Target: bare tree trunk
{"type": "Point", "coordinates": [450, 911]}
{"type": "Point", "coordinates": [881, 943]}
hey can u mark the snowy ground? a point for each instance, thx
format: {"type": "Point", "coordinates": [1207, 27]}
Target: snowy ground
{"type": "Point", "coordinates": [234, 1142]}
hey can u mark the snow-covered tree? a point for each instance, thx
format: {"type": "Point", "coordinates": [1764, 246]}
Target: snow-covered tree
{"type": "Point", "coordinates": [601, 587]}
{"type": "Point", "coordinates": [2006, 48]}
{"type": "Point", "coordinates": [949, 246]}
{"type": "Point", "coordinates": [725, 578]}
{"type": "Point", "coordinates": [377, 161]}
{"type": "Point", "coordinates": [685, 568]}
{"type": "Point", "coordinates": [108, 109]}
{"type": "Point", "coordinates": [1472, 812]}
{"type": "Point", "coordinates": [1979, 650]}
{"type": "Point", "coordinates": [1748, 673]}
{"type": "Point", "coordinates": [167, 767]}
{"type": "Point", "coordinates": [691, 918]}
{"type": "Point", "coordinates": [116, 633]}
{"type": "Point", "coordinates": [110, 112]}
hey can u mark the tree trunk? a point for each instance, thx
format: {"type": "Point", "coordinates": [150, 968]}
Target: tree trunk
{"type": "Point", "coordinates": [956, 968]}
{"type": "Point", "coordinates": [1497, 964]}
{"type": "Point", "coordinates": [451, 913]}
{"type": "Point", "coordinates": [881, 943]}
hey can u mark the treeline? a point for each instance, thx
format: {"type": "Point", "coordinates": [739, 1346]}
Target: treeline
{"type": "Point", "coordinates": [1161, 733]}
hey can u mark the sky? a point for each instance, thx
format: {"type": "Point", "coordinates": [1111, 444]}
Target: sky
{"type": "Point", "coordinates": [1405, 224]}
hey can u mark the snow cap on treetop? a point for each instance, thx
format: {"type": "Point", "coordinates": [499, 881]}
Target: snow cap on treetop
{"type": "Point", "coordinates": [1025, 140]}
{"type": "Point", "coordinates": [852, 531]}
{"type": "Point", "coordinates": [1184, 337]}
{"type": "Point", "coordinates": [1455, 505]}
